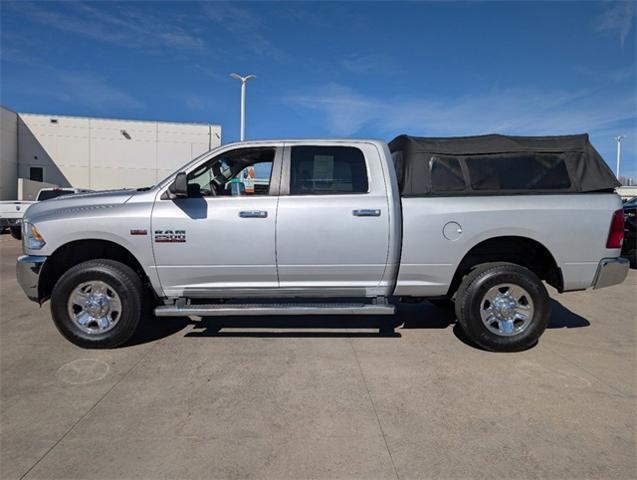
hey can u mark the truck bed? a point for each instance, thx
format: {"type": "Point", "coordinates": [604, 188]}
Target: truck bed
{"type": "Point", "coordinates": [573, 227]}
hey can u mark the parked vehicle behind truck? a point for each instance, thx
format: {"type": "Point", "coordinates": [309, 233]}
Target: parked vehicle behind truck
{"type": "Point", "coordinates": [343, 227]}
{"type": "Point", "coordinates": [629, 247]}
{"type": "Point", "coordinates": [12, 211]}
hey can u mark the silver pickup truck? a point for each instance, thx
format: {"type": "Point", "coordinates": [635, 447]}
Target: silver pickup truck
{"type": "Point", "coordinates": [339, 227]}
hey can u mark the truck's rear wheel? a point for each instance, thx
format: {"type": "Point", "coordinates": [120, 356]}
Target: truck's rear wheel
{"type": "Point", "coordinates": [16, 232]}
{"type": "Point", "coordinates": [502, 307]}
{"type": "Point", "coordinates": [97, 304]}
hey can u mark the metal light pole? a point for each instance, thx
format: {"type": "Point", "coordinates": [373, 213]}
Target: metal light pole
{"type": "Point", "coordinates": [619, 152]}
{"type": "Point", "coordinates": [243, 81]}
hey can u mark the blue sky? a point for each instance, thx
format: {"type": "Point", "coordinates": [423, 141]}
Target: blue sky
{"type": "Point", "coordinates": [334, 69]}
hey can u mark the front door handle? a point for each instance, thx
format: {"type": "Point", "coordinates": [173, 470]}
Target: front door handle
{"type": "Point", "coordinates": [253, 214]}
{"type": "Point", "coordinates": [366, 212]}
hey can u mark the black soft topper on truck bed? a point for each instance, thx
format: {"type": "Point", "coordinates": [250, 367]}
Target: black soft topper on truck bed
{"type": "Point", "coordinates": [499, 165]}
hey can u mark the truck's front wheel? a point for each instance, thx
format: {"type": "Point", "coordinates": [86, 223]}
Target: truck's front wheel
{"type": "Point", "coordinates": [97, 304]}
{"type": "Point", "coordinates": [502, 307]}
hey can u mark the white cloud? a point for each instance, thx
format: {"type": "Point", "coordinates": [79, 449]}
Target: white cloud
{"type": "Point", "coordinates": [233, 16]}
{"type": "Point", "coordinates": [246, 28]}
{"type": "Point", "coordinates": [197, 102]}
{"type": "Point", "coordinates": [213, 72]}
{"type": "Point", "coordinates": [92, 91]}
{"type": "Point", "coordinates": [345, 111]}
{"type": "Point", "coordinates": [127, 26]}
{"type": "Point", "coordinates": [523, 111]}
{"type": "Point", "coordinates": [367, 64]}
{"type": "Point", "coordinates": [619, 18]}
{"type": "Point", "coordinates": [621, 74]}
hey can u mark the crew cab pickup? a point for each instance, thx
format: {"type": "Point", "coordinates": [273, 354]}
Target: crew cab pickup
{"type": "Point", "coordinates": [336, 227]}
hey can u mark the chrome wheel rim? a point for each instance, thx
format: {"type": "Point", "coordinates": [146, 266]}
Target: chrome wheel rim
{"type": "Point", "coordinates": [506, 309]}
{"type": "Point", "coordinates": [95, 307]}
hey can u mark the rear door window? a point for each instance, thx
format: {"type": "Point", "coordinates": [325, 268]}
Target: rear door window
{"type": "Point", "coordinates": [318, 170]}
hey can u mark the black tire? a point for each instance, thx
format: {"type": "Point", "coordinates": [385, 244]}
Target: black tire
{"type": "Point", "coordinates": [16, 232]}
{"type": "Point", "coordinates": [122, 279]}
{"type": "Point", "coordinates": [469, 301]}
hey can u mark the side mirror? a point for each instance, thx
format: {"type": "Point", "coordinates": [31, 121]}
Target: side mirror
{"type": "Point", "coordinates": [179, 187]}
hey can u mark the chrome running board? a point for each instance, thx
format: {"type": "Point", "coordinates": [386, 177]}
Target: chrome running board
{"type": "Point", "coordinates": [261, 309]}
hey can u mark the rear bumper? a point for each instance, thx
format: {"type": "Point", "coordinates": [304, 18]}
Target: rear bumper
{"type": "Point", "coordinates": [611, 271]}
{"type": "Point", "coordinates": [28, 268]}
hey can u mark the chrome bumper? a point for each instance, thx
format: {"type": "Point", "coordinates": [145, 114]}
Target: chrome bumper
{"type": "Point", "coordinates": [611, 271]}
{"type": "Point", "coordinates": [28, 269]}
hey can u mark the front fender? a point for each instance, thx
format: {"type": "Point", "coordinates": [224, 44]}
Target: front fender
{"type": "Point", "coordinates": [112, 223]}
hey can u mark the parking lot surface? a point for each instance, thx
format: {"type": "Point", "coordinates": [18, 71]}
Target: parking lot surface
{"type": "Point", "coordinates": [257, 398]}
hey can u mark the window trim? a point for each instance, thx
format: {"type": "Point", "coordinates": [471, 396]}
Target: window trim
{"type": "Point", "coordinates": [287, 164]}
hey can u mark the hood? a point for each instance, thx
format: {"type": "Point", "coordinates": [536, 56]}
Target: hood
{"type": "Point", "coordinates": [68, 204]}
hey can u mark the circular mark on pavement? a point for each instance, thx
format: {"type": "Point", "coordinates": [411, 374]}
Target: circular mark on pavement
{"type": "Point", "coordinates": [83, 370]}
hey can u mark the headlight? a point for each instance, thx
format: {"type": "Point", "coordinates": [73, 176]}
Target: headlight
{"type": "Point", "coordinates": [31, 237]}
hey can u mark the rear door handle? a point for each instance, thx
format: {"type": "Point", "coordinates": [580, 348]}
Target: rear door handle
{"type": "Point", "coordinates": [253, 214]}
{"type": "Point", "coordinates": [366, 212]}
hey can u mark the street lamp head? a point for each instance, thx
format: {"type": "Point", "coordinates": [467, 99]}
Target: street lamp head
{"type": "Point", "coordinates": [236, 76]}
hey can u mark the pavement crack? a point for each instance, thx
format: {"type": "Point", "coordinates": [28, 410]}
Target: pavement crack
{"type": "Point", "coordinates": [371, 401]}
{"type": "Point", "coordinates": [88, 412]}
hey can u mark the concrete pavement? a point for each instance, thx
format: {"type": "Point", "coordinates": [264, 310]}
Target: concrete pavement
{"type": "Point", "coordinates": [254, 398]}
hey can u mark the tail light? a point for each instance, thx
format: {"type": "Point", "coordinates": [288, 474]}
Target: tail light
{"type": "Point", "coordinates": [616, 233]}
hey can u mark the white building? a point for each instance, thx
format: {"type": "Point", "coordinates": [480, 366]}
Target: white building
{"type": "Point", "coordinates": [95, 153]}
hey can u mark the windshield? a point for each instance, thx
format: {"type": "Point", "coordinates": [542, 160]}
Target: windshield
{"type": "Point", "coordinates": [631, 203]}
{"type": "Point", "coordinates": [48, 194]}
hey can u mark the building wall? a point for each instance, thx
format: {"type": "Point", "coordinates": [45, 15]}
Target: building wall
{"type": "Point", "coordinates": [103, 154]}
{"type": "Point", "coordinates": [8, 154]}
{"type": "Point", "coordinates": [627, 192]}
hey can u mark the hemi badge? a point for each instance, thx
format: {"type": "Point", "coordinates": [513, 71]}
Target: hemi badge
{"type": "Point", "coordinates": [138, 232]}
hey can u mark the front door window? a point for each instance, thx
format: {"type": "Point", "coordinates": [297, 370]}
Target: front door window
{"type": "Point", "coordinates": [241, 172]}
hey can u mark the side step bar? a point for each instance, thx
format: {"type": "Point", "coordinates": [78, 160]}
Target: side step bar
{"type": "Point", "coordinates": [226, 310]}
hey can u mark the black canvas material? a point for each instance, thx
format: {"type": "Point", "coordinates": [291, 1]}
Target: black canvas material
{"type": "Point", "coordinates": [499, 165]}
